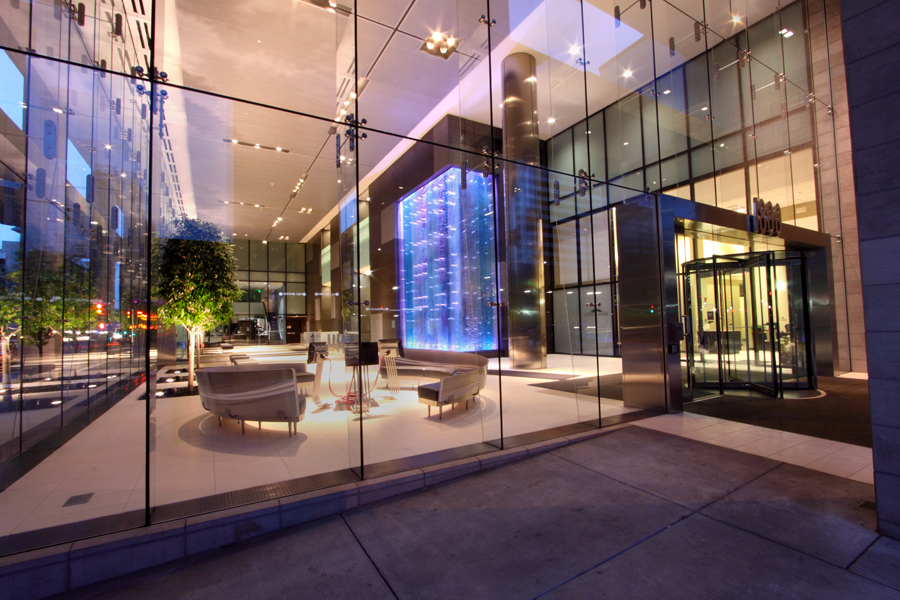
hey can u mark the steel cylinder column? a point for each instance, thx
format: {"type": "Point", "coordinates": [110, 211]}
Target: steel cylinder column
{"type": "Point", "coordinates": [525, 201]}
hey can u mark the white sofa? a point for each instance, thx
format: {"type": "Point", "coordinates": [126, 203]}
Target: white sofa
{"type": "Point", "coordinates": [258, 393]}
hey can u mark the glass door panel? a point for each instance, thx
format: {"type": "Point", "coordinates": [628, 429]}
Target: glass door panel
{"type": "Point", "coordinates": [754, 332]}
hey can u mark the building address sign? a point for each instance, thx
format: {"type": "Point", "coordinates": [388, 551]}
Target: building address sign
{"type": "Point", "coordinates": [766, 218]}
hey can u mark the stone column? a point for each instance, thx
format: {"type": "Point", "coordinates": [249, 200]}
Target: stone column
{"type": "Point", "coordinates": [870, 55]}
{"type": "Point", "coordinates": [525, 200]}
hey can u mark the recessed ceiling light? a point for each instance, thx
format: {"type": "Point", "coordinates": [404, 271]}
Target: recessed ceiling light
{"type": "Point", "coordinates": [234, 141]}
{"type": "Point", "coordinates": [667, 92]}
{"type": "Point", "coordinates": [436, 36]}
{"type": "Point", "coordinates": [627, 73]}
{"type": "Point", "coordinates": [705, 108]}
{"type": "Point", "coordinates": [551, 120]}
{"type": "Point", "coordinates": [736, 19]}
{"type": "Point", "coordinates": [108, 147]}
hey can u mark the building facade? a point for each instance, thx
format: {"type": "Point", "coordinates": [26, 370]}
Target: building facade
{"type": "Point", "coordinates": [622, 208]}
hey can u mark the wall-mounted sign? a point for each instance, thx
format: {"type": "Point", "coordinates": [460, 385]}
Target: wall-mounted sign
{"type": "Point", "coordinates": [766, 218]}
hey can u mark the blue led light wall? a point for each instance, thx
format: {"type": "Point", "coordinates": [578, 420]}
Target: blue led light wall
{"type": "Point", "coordinates": [447, 264]}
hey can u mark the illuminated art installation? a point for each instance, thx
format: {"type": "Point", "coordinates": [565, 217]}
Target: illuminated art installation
{"type": "Point", "coordinates": [447, 272]}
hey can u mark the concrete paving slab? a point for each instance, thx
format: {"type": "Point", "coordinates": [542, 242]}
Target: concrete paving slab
{"type": "Point", "coordinates": [806, 510]}
{"type": "Point", "coordinates": [687, 472]}
{"type": "Point", "coordinates": [512, 532]}
{"type": "Point", "coordinates": [881, 563]}
{"type": "Point", "coordinates": [703, 558]}
{"type": "Point", "coordinates": [316, 560]}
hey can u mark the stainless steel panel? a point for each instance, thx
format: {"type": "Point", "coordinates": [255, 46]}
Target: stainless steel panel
{"type": "Point", "coordinates": [672, 331]}
{"type": "Point", "coordinates": [641, 315]}
{"type": "Point", "coordinates": [525, 201]}
{"type": "Point", "coordinates": [820, 311]}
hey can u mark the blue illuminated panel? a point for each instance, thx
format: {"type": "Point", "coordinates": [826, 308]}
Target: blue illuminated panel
{"type": "Point", "coordinates": [447, 264]}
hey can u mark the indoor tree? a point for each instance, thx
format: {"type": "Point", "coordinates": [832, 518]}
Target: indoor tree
{"type": "Point", "coordinates": [196, 281]}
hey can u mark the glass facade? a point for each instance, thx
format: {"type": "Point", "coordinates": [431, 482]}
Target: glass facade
{"type": "Point", "coordinates": [404, 208]}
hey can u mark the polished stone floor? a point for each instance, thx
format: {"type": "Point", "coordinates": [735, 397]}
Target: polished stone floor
{"type": "Point", "coordinates": [192, 457]}
{"type": "Point", "coordinates": [636, 513]}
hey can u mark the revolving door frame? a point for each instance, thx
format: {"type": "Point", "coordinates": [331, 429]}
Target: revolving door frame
{"type": "Point", "coordinates": [719, 266]}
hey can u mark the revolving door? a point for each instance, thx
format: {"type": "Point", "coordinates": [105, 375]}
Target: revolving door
{"type": "Point", "coordinates": [746, 319]}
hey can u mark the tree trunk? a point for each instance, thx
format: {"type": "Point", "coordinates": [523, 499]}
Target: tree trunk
{"type": "Point", "coordinates": [192, 340]}
{"type": "Point", "coordinates": [4, 349]}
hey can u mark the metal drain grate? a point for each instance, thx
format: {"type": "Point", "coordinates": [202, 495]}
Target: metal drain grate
{"type": "Point", "coordinates": [76, 500]}
{"type": "Point", "coordinates": [867, 505]}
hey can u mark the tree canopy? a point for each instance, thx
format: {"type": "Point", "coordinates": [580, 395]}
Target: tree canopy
{"type": "Point", "coordinates": [196, 277]}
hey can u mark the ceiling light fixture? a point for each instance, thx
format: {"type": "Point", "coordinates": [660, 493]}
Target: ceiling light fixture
{"type": "Point", "coordinates": [256, 146]}
{"type": "Point", "coordinates": [667, 92]}
{"type": "Point", "coordinates": [627, 73]}
{"type": "Point", "coordinates": [439, 44]}
{"type": "Point", "coordinates": [551, 120]}
{"type": "Point", "coordinates": [736, 19]}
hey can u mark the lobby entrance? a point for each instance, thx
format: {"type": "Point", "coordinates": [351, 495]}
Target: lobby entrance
{"type": "Point", "coordinates": [746, 321]}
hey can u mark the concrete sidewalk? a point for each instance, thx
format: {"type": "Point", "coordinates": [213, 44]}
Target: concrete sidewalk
{"type": "Point", "coordinates": [635, 513]}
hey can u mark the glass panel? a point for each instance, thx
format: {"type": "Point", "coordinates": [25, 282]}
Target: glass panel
{"type": "Point", "coordinates": [594, 241]}
{"type": "Point", "coordinates": [254, 194]}
{"type": "Point", "coordinates": [432, 284]}
{"type": "Point", "coordinates": [112, 37]}
{"type": "Point", "coordinates": [259, 255]}
{"type": "Point", "coordinates": [74, 314]}
{"type": "Point", "coordinates": [276, 256]}
{"type": "Point", "coordinates": [550, 334]}
{"type": "Point", "coordinates": [565, 244]}
{"type": "Point", "coordinates": [242, 254]}
{"type": "Point", "coordinates": [295, 258]}
{"type": "Point", "coordinates": [222, 51]}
